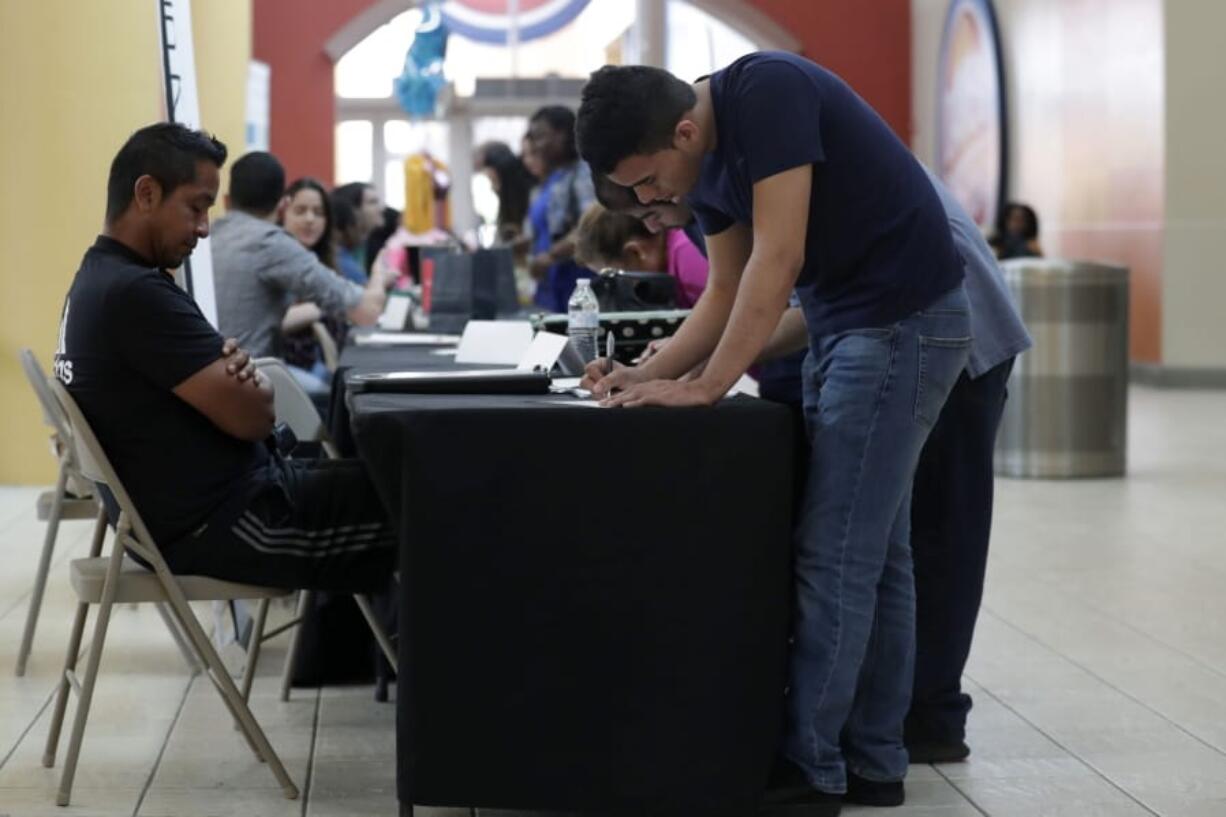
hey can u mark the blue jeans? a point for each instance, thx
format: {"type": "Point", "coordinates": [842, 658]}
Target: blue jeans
{"type": "Point", "coordinates": [871, 397]}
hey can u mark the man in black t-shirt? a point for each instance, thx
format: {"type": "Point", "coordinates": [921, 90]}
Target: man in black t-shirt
{"type": "Point", "coordinates": [182, 414]}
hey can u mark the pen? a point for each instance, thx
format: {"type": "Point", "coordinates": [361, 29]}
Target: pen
{"type": "Point", "coordinates": [608, 349]}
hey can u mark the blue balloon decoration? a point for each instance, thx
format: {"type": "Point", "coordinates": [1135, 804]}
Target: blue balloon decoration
{"type": "Point", "coordinates": [418, 85]}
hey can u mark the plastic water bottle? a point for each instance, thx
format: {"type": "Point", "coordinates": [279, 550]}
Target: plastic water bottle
{"type": "Point", "coordinates": [583, 320]}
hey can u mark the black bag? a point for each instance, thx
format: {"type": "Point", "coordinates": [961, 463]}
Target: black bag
{"type": "Point", "coordinates": [622, 291]}
{"type": "Point", "coordinates": [472, 285]}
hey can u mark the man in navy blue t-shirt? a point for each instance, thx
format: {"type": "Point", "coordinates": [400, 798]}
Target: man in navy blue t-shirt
{"type": "Point", "coordinates": [800, 186]}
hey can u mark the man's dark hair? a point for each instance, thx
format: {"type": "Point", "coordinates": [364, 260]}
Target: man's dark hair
{"type": "Point", "coordinates": [257, 183]}
{"type": "Point", "coordinates": [613, 196]}
{"type": "Point", "coordinates": [166, 151]}
{"type": "Point", "coordinates": [629, 110]}
{"type": "Point", "coordinates": [352, 193]}
{"type": "Point", "coordinates": [562, 119]}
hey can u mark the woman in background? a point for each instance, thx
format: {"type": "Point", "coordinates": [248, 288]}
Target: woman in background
{"type": "Point", "coordinates": [620, 240]}
{"type": "Point", "coordinates": [306, 214]}
{"type": "Point", "coordinates": [512, 182]}
{"type": "Point", "coordinates": [1017, 232]}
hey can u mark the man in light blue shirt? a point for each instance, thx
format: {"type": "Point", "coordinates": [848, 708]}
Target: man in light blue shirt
{"type": "Point", "coordinates": [951, 514]}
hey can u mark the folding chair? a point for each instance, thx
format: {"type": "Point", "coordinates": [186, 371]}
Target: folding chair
{"type": "Point", "coordinates": [72, 498]}
{"type": "Point", "coordinates": [105, 581]}
{"type": "Point", "coordinates": [327, 345]}
{"type": "Point", "coordinates": [294, 408]}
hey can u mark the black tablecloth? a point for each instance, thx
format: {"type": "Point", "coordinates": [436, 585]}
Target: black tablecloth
{"type": "Point", "coordinates": [594, 602]}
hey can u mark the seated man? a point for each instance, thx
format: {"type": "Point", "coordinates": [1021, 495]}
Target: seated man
{"type": "Point", "coordinates": [260, 269]}
{"type": "Point", "coordinates": [182, 414]}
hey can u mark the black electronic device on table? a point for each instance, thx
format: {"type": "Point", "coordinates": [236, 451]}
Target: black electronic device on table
{"type": "Point", "coordinates": [632, 291]}
{"type": "Point", "coordinates": [476, 381]}
{"type": "Point", "coordinates": [632, 330]}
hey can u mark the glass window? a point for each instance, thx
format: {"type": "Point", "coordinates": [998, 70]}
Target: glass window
{"type": "Point", "coordinates": [699, 43]}
{"type": "Point", "coordinates": [393, 184]}
{"type": "Point", "coordinates": [354, 145]}
{"type": "Point", "coordinates": [485, 200]}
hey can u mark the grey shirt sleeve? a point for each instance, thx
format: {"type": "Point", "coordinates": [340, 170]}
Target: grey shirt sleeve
{"type": "Point", "coordinates": [293, 268]}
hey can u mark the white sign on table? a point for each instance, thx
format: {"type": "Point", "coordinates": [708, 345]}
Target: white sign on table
{"type": "Point", "coordinates": [545, 350]}
{"type": "Point", "coordinates": [498, 343]}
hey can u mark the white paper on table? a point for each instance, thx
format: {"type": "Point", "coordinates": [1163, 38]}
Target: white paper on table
{"type": "Point", "coordinates": [746, 385]}
{"type": "Point", "coordinates": [501, 343]}
{"type": "Point", "coordinates": [405, 339]}
{"type": "Point", "coordinates": [543, 353]}
{"type": "Point", "coordinates": [572, 402]}
{"type": "Point", "coordinates": [396, 314]}
{"type": "Point", "coordinates": [566, 382]}
{"type": "Point", "coordinates": [443, 352]}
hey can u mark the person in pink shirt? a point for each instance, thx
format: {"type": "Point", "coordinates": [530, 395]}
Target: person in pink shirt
{"type": "Point", "coordinates": [607, 238]}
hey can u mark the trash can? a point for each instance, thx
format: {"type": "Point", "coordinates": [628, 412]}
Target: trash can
{"type": "Point", "coordinates": [1067, 412]}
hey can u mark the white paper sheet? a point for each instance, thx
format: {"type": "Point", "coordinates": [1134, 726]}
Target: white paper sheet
{"type": "Point", "coordinates": [396, 314]}
{"type": "Point", "coordinates": [543, 353]}
{"type": "Point", "coordinates": [500, 343]}
{"type": "Point", "coordinates": [405, 339]}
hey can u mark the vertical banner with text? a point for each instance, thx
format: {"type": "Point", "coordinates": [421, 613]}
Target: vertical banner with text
{"type": "Point", "coordinates": [183, 106]}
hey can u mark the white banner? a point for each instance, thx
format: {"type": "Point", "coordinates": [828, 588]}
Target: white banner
{"type": "Point", "coordinates": [183, 106]}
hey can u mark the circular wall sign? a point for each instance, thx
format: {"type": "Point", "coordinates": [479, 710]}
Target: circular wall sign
{"type": "Point", "coordinates": [487, 21]}
{"type": "Point", "coordinates": [971, 125]}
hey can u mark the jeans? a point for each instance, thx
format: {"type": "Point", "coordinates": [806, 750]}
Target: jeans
{"type": "Point", "coordinates": [951, 521]}
{"type": "Point", "coordinates": [871, 398]}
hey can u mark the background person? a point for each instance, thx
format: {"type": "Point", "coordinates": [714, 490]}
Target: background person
{"type": "Point", "coordinates": [512, 182]}
{"type": "Point", "coordinates": [368, 216]}
{"type": "Point", "coordinates": [260, 269]}
{"type": "Point", "coordinates": [606, 238]}
{"type": "Point", "coordinates": [564, 195]}
{"type": "Point", "coordinates": [1017, 232]}
{"type": "Point", "coordinates": [182, 414]}
{"type": "Point", "coordinates": [306, 215]}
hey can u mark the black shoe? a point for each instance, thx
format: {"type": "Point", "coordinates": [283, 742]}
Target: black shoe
{"type": "Point", "coordinates": [789, 794]}
{"type": "Point", "coordinates": [872, 793]}
{"type": "Point", "coordinates": [938, 751]}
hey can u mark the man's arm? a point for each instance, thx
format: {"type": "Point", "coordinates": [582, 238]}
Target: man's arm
{"type": "Point", "coordinates": [295, 269]}
{"type": "Point", "coordinates": [242, 408]}
{"type": "Point", "coordinates": [791, 335]}
{"type": "Point", "coordinates": [370, 306]}
{"type": "Point", "coordinates": [780, 227]}
{"type": "Point", "coordinates": [698, 335]}
{"type": "Point", "coordinates": [299, 317]}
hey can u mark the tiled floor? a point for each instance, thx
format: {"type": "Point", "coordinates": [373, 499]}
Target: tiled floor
{"type": "Point", "coordinates": [1099, 671]}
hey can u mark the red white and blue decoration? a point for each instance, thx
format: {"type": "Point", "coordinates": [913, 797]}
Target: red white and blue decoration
{"type": "Point", "coordinates": [489, 21]}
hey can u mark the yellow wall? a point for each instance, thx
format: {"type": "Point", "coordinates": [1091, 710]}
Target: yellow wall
{"type": "Point", "coordinates": [75, 79]}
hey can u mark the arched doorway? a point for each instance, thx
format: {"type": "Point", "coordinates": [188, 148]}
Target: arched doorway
{"type": "Point", "coordinates": [373, 135]}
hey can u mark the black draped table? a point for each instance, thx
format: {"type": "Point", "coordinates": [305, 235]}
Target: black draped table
{"type": "Point", "coordinates": [594, 602]}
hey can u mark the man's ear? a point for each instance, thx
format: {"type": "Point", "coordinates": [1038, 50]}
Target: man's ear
{"type": "Point", "coordinates": [147, 193]}
{"type": "Point", "coordinates": [686, 133]}
{"type": "Point", "coordinates": [282, 205]}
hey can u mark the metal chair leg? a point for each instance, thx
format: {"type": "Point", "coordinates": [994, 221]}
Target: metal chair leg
{"type": "Point", "coordinates": [229, 692]}
{"type": "Point", "coordinates": [253, 647]}
{"type": "Point", "coordinates": [376, 629]}
{"type": "Point", "coordinates": [65, 686]}
{"type": "Point", "coordinates": [91, 676]}
{"type": "Point", "coordinates": [40, 577]}
{"type": "Point", "coordinates": [74, 651]}
{"type": "Point", "coordinates": [291, 654]}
